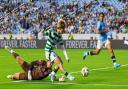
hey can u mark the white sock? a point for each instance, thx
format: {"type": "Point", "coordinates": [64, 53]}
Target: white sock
{"type": "Point", "coordinates": [86, 53]}
{"type": "Point", "coordinates": [68, 75]}
{"type": "Point", "coordinates": [114, 63]}
{"type": "Point", "coordinates": [11, 51]}
{"type": "Point", "coordinates": [53, 73]}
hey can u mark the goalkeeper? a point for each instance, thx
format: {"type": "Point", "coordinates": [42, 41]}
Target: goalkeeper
{"type": "Point", "coordinates": [36, 70]}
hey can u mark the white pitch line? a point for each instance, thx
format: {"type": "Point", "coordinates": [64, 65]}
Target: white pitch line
{"type": "Point", "coordinates": [97, 69]}
{"type": "Point", "coordinates": [67, 83]}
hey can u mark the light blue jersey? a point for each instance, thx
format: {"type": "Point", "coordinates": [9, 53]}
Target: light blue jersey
{"type": "Point", "coordinates": [103, 35]}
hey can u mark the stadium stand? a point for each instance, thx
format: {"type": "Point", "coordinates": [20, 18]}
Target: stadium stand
{"type": "Point", "coordinates": [32, 16]}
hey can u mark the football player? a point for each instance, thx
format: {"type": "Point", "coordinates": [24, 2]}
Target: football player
{"type": "Point", "coordinates": [54, 38]}
{"type": "Point", "coordinates": [102, 40]}
{"type": "Point", "coordinates": [36, 70]}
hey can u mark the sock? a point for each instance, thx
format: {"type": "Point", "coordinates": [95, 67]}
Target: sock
{"type": "Point", "coordinates": [15, 54]}
{"type": "Point", "coordinates": [89, 53]}
{"type": "Point", "coordinates": [53, 73]}
{"type": "Point", "coordinates": [11, 51]}
{"type": "Point", "coordinates": [113, 59]}
{"type": "Point", "coordinates": [66, 74]}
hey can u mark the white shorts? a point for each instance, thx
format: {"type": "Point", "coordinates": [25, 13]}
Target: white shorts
{"type": "Point", "coordinates": [51, 56]}
{"type": "Point", "coordinates": [100, 44]}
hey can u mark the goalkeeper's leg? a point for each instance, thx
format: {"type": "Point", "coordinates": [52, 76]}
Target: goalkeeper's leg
{"type": "Point", "coordinates": [25, 66]}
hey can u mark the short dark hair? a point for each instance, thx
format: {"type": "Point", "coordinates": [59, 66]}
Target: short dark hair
{"type": "Point", "coordinates": [101, 14]}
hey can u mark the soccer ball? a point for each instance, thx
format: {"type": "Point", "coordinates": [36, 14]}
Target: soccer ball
{"type": "Point", "coordinates": [85, 71]}
{"type": "Point", "coordinates": [61, 79]}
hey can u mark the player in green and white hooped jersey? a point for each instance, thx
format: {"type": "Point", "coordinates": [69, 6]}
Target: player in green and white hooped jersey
{"type": "Point", "coordinates": [54, 38]}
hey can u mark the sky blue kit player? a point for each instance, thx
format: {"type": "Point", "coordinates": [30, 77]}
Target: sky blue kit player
{"type": "Point", "coordinates": [102, 40]}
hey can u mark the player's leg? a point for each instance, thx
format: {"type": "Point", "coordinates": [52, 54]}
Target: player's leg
{"type": "Point", "coordinates": [49, 64]}
{"type": "Point", "coordinates": [94, 52]}
{"type": "Point", "coordinates": [14, 76]}
{"type": "Point", "coordinates": [18, 76]}
{"type": "Point", "coordinates": [15, 55]}
{"type": "Point", "coordinates": [58, 62]}
{"type": "Point", "coordinates": [113, 57]}
{"type": "Point", "coordinates": [56, 68]}
{"type": "Point", "coordinates": [53, 57]}
{"type": "Point", "coordinates": [25, 66]}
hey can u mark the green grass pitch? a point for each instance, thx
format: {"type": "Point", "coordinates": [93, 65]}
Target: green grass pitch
{"type": "Point", "coordinates": [102, 74]}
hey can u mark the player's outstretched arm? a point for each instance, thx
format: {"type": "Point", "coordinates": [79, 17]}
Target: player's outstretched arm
{"type": "Point", "coordinates": [101, 31]}
{"type": "Point", "coordinates": [64, 52]}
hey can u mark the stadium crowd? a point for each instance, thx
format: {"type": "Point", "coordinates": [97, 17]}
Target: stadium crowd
{"type": "Point", "coordinates": [32, 16]}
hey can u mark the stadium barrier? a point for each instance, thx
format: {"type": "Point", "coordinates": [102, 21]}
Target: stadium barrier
{"type": "Point", "coordinates": [119, 36]}
{"type": "Point", "coordinates": [73, 44]}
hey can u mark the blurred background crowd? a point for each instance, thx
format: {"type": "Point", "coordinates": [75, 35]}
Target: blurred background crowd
{"type": "Point", "coordinates": [33, 16]}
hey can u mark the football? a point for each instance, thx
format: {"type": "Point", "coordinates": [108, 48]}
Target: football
{"type": "Point", "coordinates": [61, 79]}
{"type": "Point", "coordinates": [85, 71]}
